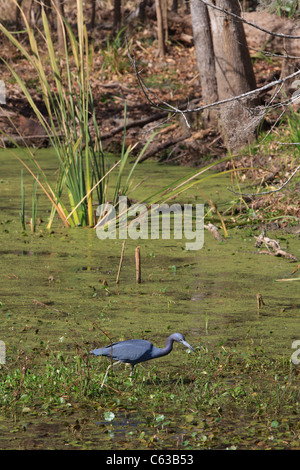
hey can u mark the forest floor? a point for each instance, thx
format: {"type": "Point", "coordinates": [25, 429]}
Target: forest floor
{"type": "Point", "coordinates": [173, 79]}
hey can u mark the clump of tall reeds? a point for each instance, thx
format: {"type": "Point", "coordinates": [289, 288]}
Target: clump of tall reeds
{"type": "Point", "coordinates": [34, 205]}
{"type": "Point", "coordinates": [70, 122]}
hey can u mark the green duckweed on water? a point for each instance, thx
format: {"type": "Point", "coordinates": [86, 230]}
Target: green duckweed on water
{"type": "Point", "coordinates": [59, 299]}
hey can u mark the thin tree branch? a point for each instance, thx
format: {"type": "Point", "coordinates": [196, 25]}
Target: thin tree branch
{"type": "Point", "coordinates": [245, 95]}
{"type": "Point", "coordinates": [267, 192]}
{"type": "Point", "coordinates": [274, 54]}
{"type": "Point", "coordinates": [166, 106]}
{"type": "Point", "coordinates": [239, 18]}
{"type": "Point", "coordinates": [174, 110]}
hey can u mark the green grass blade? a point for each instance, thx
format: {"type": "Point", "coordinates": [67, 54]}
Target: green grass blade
{"type": "Point", "coordinates": [22, 202]}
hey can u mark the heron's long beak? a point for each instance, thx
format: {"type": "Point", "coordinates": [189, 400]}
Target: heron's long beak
{"type": "Point", "coordinates": [187, 345]}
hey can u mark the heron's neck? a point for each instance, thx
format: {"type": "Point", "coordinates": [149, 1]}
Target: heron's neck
{"type": "Point", "coordinates": [159, 352]}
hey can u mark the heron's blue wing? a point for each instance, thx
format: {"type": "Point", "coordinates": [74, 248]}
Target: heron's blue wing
{"type": "Point", "coordinates": [132, 351]}
{"type": "Point", "coordinates": [106, 351]}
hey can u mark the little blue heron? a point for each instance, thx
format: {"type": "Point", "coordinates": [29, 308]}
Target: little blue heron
{"type": "Point", "coordinates": [134, 351]}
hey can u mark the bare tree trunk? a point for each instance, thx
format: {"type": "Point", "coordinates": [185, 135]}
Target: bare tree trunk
{"type": "Point", "coordinates": [142, 11]}
{"type": "Point", "coordinates": [117, 15]}
{"type": "Point", "coordinates": [162, 25]}
{"type": "Point", "coordinates": [233, 63]}
{"type": "Point", "coordinates": [205, 56]}
{"type": "Point", "coordinates": [234, 72]}
{"type": "Point", "coordinates": [19, 2]}
{"type": "Point", "coordinates": [165, 19]}
{"type": "Point", "coordinates": [93, 16]}
{"type": "Point", "coordinates": [224, 65]}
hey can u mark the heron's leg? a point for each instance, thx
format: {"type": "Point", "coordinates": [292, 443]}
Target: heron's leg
{"type": "Point", "coordinates": [131, 372]}
{"type": "Point", "coordinates": [110, 365]}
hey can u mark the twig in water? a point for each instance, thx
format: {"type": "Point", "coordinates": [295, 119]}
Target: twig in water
{"type": "Point", "coordinates": [121, 261]}
{"type": "Point", "coordinates": [259, 301]}
{"type": "Point", "coordinates": [277, 251]}
{"type": "Point", "coordinates": [138, 264]}
{"type": "Point", "coordinates": [214, 231]}
{"type": "Point", "coordinates": [37, 302]}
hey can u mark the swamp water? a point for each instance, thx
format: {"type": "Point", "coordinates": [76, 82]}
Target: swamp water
{"type": "Point", "coordinates": [59, 300]}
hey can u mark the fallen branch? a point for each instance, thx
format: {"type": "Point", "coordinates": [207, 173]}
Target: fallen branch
{"type": "Point", "coordinates": [163, 145]}
{"type": "Point", "coordinates": [130, 125]}
{"type": "Point", "coordinates": [214, 231]}
{"type": "Point", "coordinates": [277, 251]}
{"type": "Point", "coordinates": [10, 141]}
{"type": "Point", "coordinates": [296, 269]}
{"type": "Point", "coordinates": [280, 252]}
{"type": "Point", "coordinates": [41, 304]}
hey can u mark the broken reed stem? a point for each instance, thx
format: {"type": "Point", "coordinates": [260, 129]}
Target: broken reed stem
{"type": "Point", "coordinates": [259, 302]}
{"type": "Point", "coordinates": [138, 265]}
{"type": "Point", "coordinates": [121, 261]}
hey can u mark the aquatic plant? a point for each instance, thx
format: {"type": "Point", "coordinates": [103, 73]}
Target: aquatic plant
{"type": "Point", "coordinates": [115, 60]}
{"type": "Point", "coordinates": [70, 123]}
{"type": "Point", "coordinates": [227, 398]}
{"type": "Point", "coordinates": [22, 213]}
{"type": "Point", "coordinates": [34, 206]}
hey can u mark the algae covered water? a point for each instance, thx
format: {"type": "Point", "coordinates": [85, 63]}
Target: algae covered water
{"type": "Point", "coordinates": [59, 298]}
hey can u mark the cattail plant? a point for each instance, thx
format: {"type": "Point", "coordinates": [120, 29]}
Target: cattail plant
{"type": "Point", "coordinates": [68, 99]}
